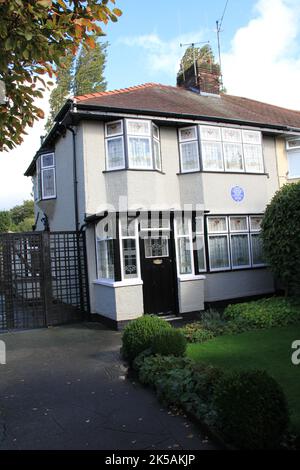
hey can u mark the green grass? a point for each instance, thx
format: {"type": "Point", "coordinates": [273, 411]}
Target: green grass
{"type": "Point", "coordinates": [261, 349]}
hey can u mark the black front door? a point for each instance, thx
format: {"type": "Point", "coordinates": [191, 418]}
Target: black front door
{"type": "Point", "coordinates": [158, 274]}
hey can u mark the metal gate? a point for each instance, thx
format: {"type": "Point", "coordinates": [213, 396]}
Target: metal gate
{"type": "Point", "coordinates": [43, 279]}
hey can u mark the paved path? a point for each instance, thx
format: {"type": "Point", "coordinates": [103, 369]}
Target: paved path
{"type": "Point", "coordinates": [65, 388]}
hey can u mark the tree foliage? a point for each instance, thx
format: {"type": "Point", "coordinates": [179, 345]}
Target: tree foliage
{"type": "Point", "coordinates": [5, 221]}
{"type": "Point", "coordinates": [35, 37]}
{"type": "Point", "coordinates": [78, 75]}
{"type": "Point", "coordinates": [18, 219]}
{"type": "Point", "coordinates": [202, 54]}
{"type": "Point", "coordinates": [281, 236]}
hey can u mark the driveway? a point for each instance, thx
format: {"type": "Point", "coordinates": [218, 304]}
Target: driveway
{"type": "Point", "coordinates": [65, 388]}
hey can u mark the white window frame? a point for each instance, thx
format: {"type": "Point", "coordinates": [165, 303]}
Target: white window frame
{"type": "Point", "coordinates": [137, 244]}
{"type": "Point", "coordinates": [292, 140]}
{"type": "Point", "coordinates": [122, 166]}
{"type": "Point", "coordinates": [200, 233]}
{"type": "Point", "coordinates": [156, 235]}
{"type": "Point", "coordinates": [42, 169]}
{"type": "Point", "coordinates": [97, 240]}
{"type": "Point", "coordinates": [157, 141]}
{"type": "Point", "coordinates": [188, 236]}
{"type": "Point", "coordinates": [241, 140]}
{"type": "Point", "coordinates": [293, 152]}
{"type": "Point", "coordinates": [117, 133]}
{"type": "Point", "coordinates": [246, 230]}
{"type": "Point", "coordinates": [182, 142]}
{"type": "Point", "coordinates": [218, 234]}
{"type": "Point", "coordinates": [258, 265]}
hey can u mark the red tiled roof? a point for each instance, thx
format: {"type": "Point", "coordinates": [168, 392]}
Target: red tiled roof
{"type": "Point", "coordinates": [168, 99]}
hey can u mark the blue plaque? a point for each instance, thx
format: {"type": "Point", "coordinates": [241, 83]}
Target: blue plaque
{"type": "Point", "coordinates": [237, 193]}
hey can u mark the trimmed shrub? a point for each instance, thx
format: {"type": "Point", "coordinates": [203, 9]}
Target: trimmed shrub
{"type": "Point", "coordinates": [153, 367]}
{"type": "Point", "coordinates": [265, 313]}
{"type": "Point", "coordinates": [169, 343]}
{"type": "Point", "coordinates": [138, 335]}
{"type": "Point", "coordinates": [252, 410]}
{"type": "Point", "coordinates": [195, 333]}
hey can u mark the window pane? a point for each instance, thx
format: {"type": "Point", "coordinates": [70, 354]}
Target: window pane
{"type": "Point", "coordinates": [257, 249]}
{"type": "Point", "coordinates": [233, 156]}
{"type": "Point", "coordinates": [294, 164]}
{"type": "Point", "coordinates": [212, 156]}
{"type": "Point", "coordinates": [115, 153]}
{"type": "Point", "coordinates": [200, 252]}
{"type": "Point", "coordinates": [128, 225]}
{"type": "Point", "coordinates": [157, 157]}
{"type": "Point", "coordinates": [251, 137]}
{"type": "Point", "coordinates": [105, 252]}
{"type": "Point", "coordinates": [182, 225]}
{"type": "Point", "coordinates": [156, 247]}
{"type": "Point", "coordinates": [253, 158]}
{"type": "Point", "coordinates": [255, 222]}
{"type": "Point", "coordinates": [189, 156]}
{"type": "Point", "coordinates": [184, 255]}
{"type": "Point", "coordinates": [114, 128]}
{"type": "Point", "coordinates": [48, 181]}
{"type": "Point", "coordinates": [218, 252]}
{"type": "Point", "coordinates": [210, 133]}
{"type": "Point", "coordinates": [155, 131]}
{"type": "Point", "coordinates": [240, 250]}
{"type": "Point", "coordinates": [47, 160]}
{"type": "Point", "coordinates": [139, 152]}
{"type": "Point", "coordinates": [238, 224]}
{"type": "Point", "coordinates": [188, 133]}
{"type": "Point", "coordinates": [231, 135]}
{"type": "Point", "coordinates": [129, 258]}
{"type": "Point", "coordinates": [217, 224]}
{"type": "Point", "coordinates": [136, 127]}
{"type": "Point", "coordinates": [292, 144]}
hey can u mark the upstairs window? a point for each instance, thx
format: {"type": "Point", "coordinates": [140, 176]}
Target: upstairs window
{"type": "Point", "coordinates": [189, 149]}
{"type": "Point", "coordinates": [225, 149]}
{"type": "Point", "coordinates": [293, 154]}
{"type": "Point", "coordinates": [142, 149]}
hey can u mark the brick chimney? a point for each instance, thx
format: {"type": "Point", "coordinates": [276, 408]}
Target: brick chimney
{"type": "Point", "coordinates": [206, 80]}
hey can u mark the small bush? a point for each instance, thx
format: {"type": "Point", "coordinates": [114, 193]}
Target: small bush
{"type": "Point", "coordinates": [265, 313]}
{"type": "Point", "coordinates": [195, 333]}
{"type": "Point", "coordinates": [153, 367]}
{"type": "Point", "coordinates": [138, 335]}
{"type": "Point", "coordinates": [251, 409]}
{"type": "Point", "coordinates": [169, 343]}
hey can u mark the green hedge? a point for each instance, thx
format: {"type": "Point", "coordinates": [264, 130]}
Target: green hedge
{"type": "Point", "coordinates": [265, 313]}
{"type": "Point", "coordinates": [138, 335]}
{"type": "Point", "coordinates": [251, 409]}
{"type": "Point", "coordinates": [169, 343]}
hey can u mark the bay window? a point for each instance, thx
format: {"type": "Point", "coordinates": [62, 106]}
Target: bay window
{"type": "Point", "coordinates": [142, 149]}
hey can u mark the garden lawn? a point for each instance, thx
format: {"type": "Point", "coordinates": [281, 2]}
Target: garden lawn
{"type": "Point", "coordinates": [261, 349]}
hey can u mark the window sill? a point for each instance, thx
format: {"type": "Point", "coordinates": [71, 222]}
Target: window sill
{"type": "Point", "coordinates": [111, 283]}
{"type": "Point", "coordinates": [191, 277]}
{"type": "Point", "coordinates": [222, 173]}
{"type": "Point", "coordinates": [134, 169]}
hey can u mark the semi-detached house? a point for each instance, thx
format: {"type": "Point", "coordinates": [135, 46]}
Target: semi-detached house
{"type": "Point", "coordinates": [170, 186]}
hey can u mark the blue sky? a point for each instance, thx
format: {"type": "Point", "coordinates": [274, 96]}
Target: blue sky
{"type": "Point", "coordinates": [194, 20]}
{"type": "Point", "coordinates": [260, 58]}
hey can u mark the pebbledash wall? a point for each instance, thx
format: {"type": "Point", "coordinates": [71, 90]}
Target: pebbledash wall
{"type": "Point", "coordinates": [99, 190]}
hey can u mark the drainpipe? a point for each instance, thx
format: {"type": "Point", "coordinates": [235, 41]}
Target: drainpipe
{"type": "Point", "coordinates": [75, 180]}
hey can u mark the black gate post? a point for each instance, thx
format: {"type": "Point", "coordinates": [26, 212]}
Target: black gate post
{"type": "Point", "coordinates": [46, 281]}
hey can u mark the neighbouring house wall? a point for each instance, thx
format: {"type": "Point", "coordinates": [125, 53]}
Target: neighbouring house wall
{"type": "Point", "coordinates": [235, 284]}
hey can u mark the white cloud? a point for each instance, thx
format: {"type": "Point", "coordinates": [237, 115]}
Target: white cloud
{"type": "Point", "coordinates": [14, 186]}
{"type": "Point", "coordinates": [264, 61]}
{"type": "Point", "coordinates": [163, 56]}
